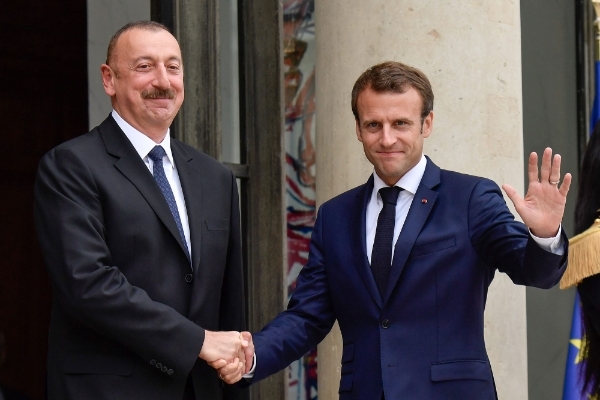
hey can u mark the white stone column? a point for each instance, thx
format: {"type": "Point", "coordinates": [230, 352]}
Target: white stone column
{"type": "Point", "coordinates": [471, 52]}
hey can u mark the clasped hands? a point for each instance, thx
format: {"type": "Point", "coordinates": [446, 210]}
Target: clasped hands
{"type": "Point", "coordinates": [230, 353]}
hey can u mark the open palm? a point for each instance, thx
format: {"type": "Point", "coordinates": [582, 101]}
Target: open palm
{"type": "Point", "coordinates": [543, 206]}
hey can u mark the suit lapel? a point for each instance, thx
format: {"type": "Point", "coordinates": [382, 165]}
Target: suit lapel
{"type": "Point", "coordinates": [133, 168]}
{"type": "Point", "coordinates": [359, 242]}
{"type": "Point", "coordinates": [192, 194]}
{"type": "Point", "coordinates": [417, 215]}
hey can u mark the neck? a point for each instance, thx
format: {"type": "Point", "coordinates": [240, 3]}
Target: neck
{"type": "Point", "coordinates": [157, 135]}
{"type": "Point", "coordinates": [155, 132]}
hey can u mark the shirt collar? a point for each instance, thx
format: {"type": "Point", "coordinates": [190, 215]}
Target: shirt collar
{"type": "Point", "coordinates": [409, 182]}
{"type": "Point", "coordinates": [142, 143]}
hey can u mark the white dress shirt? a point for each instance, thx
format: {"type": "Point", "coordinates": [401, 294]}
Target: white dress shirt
{"type": "Point", "coordinates": [143, 144]}
{"type": "Point", "coordinates": [410, 183]}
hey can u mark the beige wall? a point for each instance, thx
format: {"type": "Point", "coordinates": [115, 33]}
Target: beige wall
{"type": "Point", "coordinates": [471, 52]}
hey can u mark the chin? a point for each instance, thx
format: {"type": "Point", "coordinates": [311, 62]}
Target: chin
{"type": "Point", "coordinates": [392, 173]}
{"type": "Point", "coordinates": [163, 114]}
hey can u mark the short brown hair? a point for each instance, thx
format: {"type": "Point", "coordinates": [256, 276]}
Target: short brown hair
{"type": "Point", "coordinates": [145, 25]}
{"type": "Point", "coordinates": [395, 77]}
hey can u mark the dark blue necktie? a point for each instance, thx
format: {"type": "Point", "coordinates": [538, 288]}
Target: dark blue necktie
{"type": "Point", "coordinates": [381, 256]}
{"type": "Point", "coordinates": [156, 155]}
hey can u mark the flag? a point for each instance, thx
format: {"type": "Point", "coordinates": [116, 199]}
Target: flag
{"type": "Point", "coordinates": [573, 378]}
{"type": "Point", "coordinates": [572, 389]}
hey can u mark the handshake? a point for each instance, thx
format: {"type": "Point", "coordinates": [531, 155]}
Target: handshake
{"type": "Point", "coordinates": [230, 353]}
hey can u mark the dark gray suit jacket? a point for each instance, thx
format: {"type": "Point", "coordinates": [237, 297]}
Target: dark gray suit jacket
{"type": "Point", "coordinates": [127, 320]}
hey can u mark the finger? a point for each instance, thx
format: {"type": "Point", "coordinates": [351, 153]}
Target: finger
{"type": "Point", "coordinates": [566, 184]}
{"type": "Point", "coordinates": [555, 171]}
{"type": "Point", "coordinates": [235, 374]}
{"type": "Point", "coordinates": [218, 364]}
{"type": "Point", "coordinates": [230, 380]}
{"type": "Point", "coordinates": [230, 368]}
{"type": "Point", "coordinates": [532, 168]}
{"type": "Point", "coordinates": [512, 194]}
{"type": "Point", "coordinates": [546, 165]}
{"type": "Point", "coordinates": [249, 351]}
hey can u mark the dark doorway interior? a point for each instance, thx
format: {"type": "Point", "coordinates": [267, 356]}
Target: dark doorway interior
{"type": "Point", "coordinates": [43, 102]}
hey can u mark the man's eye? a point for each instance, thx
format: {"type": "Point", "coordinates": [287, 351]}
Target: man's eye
{"type": "Point", "coordinates": [372, 125]}
{"type": "Point", "coordinates": [400, 123]}
{"type": "Point", "coordinates": [143, 67]}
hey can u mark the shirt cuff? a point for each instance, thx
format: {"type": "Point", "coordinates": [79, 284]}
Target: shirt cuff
{"type": "Point", "coordinates": [554, 245]}
{"type": "Point", "coordinates": [250, 373]}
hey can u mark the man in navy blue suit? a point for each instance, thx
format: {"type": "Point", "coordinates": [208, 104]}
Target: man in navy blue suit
{"type": "Point", "coordinates": [404, 262]}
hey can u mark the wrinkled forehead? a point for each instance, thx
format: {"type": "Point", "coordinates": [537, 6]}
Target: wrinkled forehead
{"type": "Point", "coordinates": [145, 43]}
{"type": "Point", "coordinates": [372, 104]}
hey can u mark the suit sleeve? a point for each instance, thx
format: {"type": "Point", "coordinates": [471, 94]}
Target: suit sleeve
{"type": "Point", "coordinates": [307, 320]}
{"type": "Point", "coordinates": [506, 245]}
{"type": "Point", "coordinates": [86, 284]}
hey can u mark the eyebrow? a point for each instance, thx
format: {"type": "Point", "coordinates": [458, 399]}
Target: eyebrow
{"type": "Point", "coordinates": [149, 58]}
{"type": "Point", "coordinates": [401, 119]}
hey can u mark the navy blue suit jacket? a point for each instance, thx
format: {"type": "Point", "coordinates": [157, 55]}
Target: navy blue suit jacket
{"type": "Point", "coordinates": [424, 339]}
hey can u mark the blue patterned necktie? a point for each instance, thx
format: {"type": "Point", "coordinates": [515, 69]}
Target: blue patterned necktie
{"type": "Point", "coordinates": [156, 155]}
{"type": "Point", "coordinates": [381, 256]}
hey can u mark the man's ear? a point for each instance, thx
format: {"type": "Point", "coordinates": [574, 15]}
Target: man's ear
{"type": "Point", "coordinates": [108, 79]}
{"type": "Point", "coordinates": [427, 126]}
{"type": "Point", "coordinates": [358, 134]}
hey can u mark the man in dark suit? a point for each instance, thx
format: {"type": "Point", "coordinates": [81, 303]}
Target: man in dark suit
{"type": "Point", "coordinates": [141, 238]}
{"type": "Point", "coordinates": [404, 262]}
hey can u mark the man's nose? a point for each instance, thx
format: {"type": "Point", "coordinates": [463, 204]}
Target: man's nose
{"type": "Point", "coordinates": [161, 79]}
{"type": "Point", "coordinates": [387, 136]}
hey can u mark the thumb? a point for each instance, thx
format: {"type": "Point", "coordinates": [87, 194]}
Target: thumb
{"type": "Point", "coordinates": [247, 336]}
{"type": "Point", "coordinates": [244, 342]}
{"type": "Point", "coordinates": [512, 194]}
{"type": "Point", "coordinates": [248, 351]}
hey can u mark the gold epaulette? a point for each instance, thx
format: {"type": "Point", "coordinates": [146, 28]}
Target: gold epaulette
{"type": "Point", "coordinates": [584, 256]}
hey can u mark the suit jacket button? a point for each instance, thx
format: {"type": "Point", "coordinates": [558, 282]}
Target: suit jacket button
{"type": "Point", "coordinates": [189, 278]}
{"type": "Point", "coordinates": [385, 323]}
{"type": "Point", "coordinates": [164, 369]}
{"type": "Point", "coordinates": [170, 372]}
{"type": "Point", "coordinates": [158, 365]}
{"type": "Point", "coordinates": [152, 362]}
